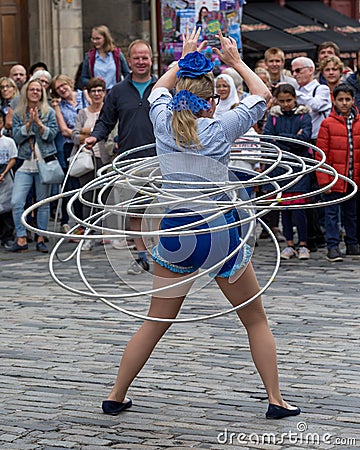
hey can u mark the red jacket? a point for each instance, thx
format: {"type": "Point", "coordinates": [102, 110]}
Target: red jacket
{"type": "Point", "coordinates": [333, 140]}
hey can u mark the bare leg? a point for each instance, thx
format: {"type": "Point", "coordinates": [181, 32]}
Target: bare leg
{"type": "Point", "coordinates": [141, 345]}
{"type": "Point", "coordinates": [135, 225]}
{"type": "Point", "coordinates": [261, 340]}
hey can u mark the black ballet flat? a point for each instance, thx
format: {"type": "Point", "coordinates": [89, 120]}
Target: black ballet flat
{"type": "Point", "coordinates": [279, 412]}
{"type": "Point", "coordinates": [112, 407]}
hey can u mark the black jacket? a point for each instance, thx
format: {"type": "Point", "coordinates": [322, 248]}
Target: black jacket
{"type": "Point", "coordinates": [123, 104]}
{"type": "Point", "coordinates": [354, 81]}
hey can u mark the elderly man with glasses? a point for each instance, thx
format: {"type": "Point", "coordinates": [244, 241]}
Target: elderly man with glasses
{"type": "Point", "coordinates": [310, 92]}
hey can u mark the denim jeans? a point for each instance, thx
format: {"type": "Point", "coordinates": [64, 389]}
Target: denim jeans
{"type": "Point", "coordinates": [297, 217]}
{"type": "Point", "coordinates": [22, 184]}
{"type": "Point", "coordinates": [332, 220]}
{"type": "Point", "coordinates": [72, 183]}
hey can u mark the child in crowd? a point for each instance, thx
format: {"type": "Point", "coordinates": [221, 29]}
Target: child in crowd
{"type": "Point", "coordinates": [339, 138]}
{"type": "Point", "coordinates": [8, 154]}
{"type": "Point", "coordinates": [287, 119]}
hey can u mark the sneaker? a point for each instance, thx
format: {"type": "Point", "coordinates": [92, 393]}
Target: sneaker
{"type": "Point", "coordinates": [353, 249]}
{"type": "Point", "coordinates": [278, 234]}
{"type": "Point", "coordinates": [41, 247]}
{"type": "Point", "coordinates": [16, 248]}
{"type": "Point", "coordinates": [87, 245]}
{"type": "Point", "coordinates": [303, 253]}
{"type": "Point", "coordinates": [65, 228]}
{"type": "Point", "coordinates": [287, 253]}
{"type": "Point", "coordinates": [138, 266]}
{"type": "Point", "coordinates": [7, 244]}
{"type": "Point", "coordinates": [334, 254]}
{"type": "Point", "coordinates": [121, 244]}
{"type": "Point", "coordinates": [264, 235]}
{"type": "Point", "coordinates": [79, 231]}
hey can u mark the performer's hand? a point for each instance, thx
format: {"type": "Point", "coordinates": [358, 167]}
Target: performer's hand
{"type": "Point", "coordinates": [229, 53]}
{"type": "Point", "coordinates": [190, 41]}
{"type": "Point", "coordinates": [90, 141]}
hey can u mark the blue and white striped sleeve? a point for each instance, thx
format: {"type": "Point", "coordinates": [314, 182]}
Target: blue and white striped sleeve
{"type": "Point", "coordinates": [239, 120]}
{"type": "Point", "coordinates": [159, 113]}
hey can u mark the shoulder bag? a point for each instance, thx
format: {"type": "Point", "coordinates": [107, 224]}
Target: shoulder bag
{"type": "Point", "coordinates": [81, 163]}
{"type": "Point", "coordinates": [50, 171]}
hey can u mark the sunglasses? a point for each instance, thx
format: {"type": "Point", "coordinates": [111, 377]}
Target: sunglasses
{"type": "Point", "coordinates": [299, 69]}
{"type": "Point", "coordinates": [216, 98]}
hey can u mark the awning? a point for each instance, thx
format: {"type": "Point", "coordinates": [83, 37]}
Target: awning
{"type": "Point", "coordinates": [257, 35]}
{"type": "Point", "coordinates": [296, 25]}
{"type": "Point", "coordinates": [328, 17]}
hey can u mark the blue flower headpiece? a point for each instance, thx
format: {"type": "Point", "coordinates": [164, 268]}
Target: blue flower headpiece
{"type": "Point", "coordinates": [193, 65]}
{"type": "Point", "coordinates": [186, 100]}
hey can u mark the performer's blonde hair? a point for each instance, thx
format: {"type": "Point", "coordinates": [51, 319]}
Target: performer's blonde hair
{"type": "Point", "coordinates": [183, 123]}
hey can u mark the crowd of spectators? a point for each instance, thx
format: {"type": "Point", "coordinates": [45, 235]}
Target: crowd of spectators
{"type": "Point", "coordinates": [43, 114]}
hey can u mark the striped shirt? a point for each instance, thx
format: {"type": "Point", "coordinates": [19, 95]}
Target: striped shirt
{"type": "Point", "coordinates": [208, 164]}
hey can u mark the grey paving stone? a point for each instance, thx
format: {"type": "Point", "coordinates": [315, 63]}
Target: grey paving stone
{"type": "Point", "coordinates": [60, 353]}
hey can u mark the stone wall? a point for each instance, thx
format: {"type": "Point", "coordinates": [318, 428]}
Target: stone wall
{"type": "Point", "coordinates": [126, 19]}
{"type": "Point", "coordinates": [55, 35]}
{"type": "Point", "coordinates": [67, 36]}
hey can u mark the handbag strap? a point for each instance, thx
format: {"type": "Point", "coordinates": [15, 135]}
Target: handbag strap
{"type": "Point", "coordinates": [32, 146]}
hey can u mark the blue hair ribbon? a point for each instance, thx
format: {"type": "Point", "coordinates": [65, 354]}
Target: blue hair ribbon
{"type": "Point", "coordinates": [187, 101]}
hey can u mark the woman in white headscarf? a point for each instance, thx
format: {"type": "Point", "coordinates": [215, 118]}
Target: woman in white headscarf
{"type": "Point", "coordinates": [229, 98]}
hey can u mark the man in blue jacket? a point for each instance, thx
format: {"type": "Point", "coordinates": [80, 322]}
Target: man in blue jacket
{"type": "Point", "coordinates": [354, 81]}
{"type": "Point", "coordinates": [127, 105]}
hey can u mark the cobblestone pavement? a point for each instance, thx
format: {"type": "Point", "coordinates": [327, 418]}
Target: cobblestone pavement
{"type": "Point", "coordinates": [59, 357]}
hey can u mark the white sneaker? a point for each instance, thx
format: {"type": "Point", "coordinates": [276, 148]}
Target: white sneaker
{"type": "Point", "coordinates": [303, 253]}
{"type": "Point", "coordinates": [65, 228]}
{"type": "Point", "coordinates": [278, 234]}
{"type": "Point", "coordinates": [87, 246]}
{"type": "Point", "coordinates": [121, 244]}
{"type": "Point", "coordinates": [288, 253]}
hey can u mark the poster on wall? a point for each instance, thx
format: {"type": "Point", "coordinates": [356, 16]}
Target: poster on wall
{"type": "Point", "coordinates": [208, 15]}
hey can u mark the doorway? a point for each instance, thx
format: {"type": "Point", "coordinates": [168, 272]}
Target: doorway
{"type": "Point", "coordinates": [14, 41]}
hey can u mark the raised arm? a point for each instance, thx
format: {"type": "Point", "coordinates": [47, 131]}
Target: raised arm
{"type": "Point", "coordinates": [229, 54]}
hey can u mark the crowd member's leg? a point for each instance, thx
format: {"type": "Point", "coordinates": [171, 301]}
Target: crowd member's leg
{"type": "Point", "coordinates": [143, 342]}
{"type": "Point", "coordinates": [90, 196]}
{"type": "Point", "coordinates": [272, 220]}
{"type": "Point", "coordinates": [7, 229]}
{"type": "Point", "coordinates": [141, 263]}
{"type": "Point", "coordinates": [315, 234]}
{"type": "Point", "coordinates": [261, 340]}
{"type": "Point", "coordinates": [43, 212]}
{"type": "Point", "coordinates": [332, 229]}
{"type": "Point", "coordinates": [23, 182]}
{"type": "Point", "coordinates": [287, 223]}
{"type": "Point", "coordinates": [31, 218]}
{"type": "Point", "coordinates": [72, 183]}
{"type": "Point", "coordinates": [350, 225]}
{"type": "Point", "coordinates": [300, 220]}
